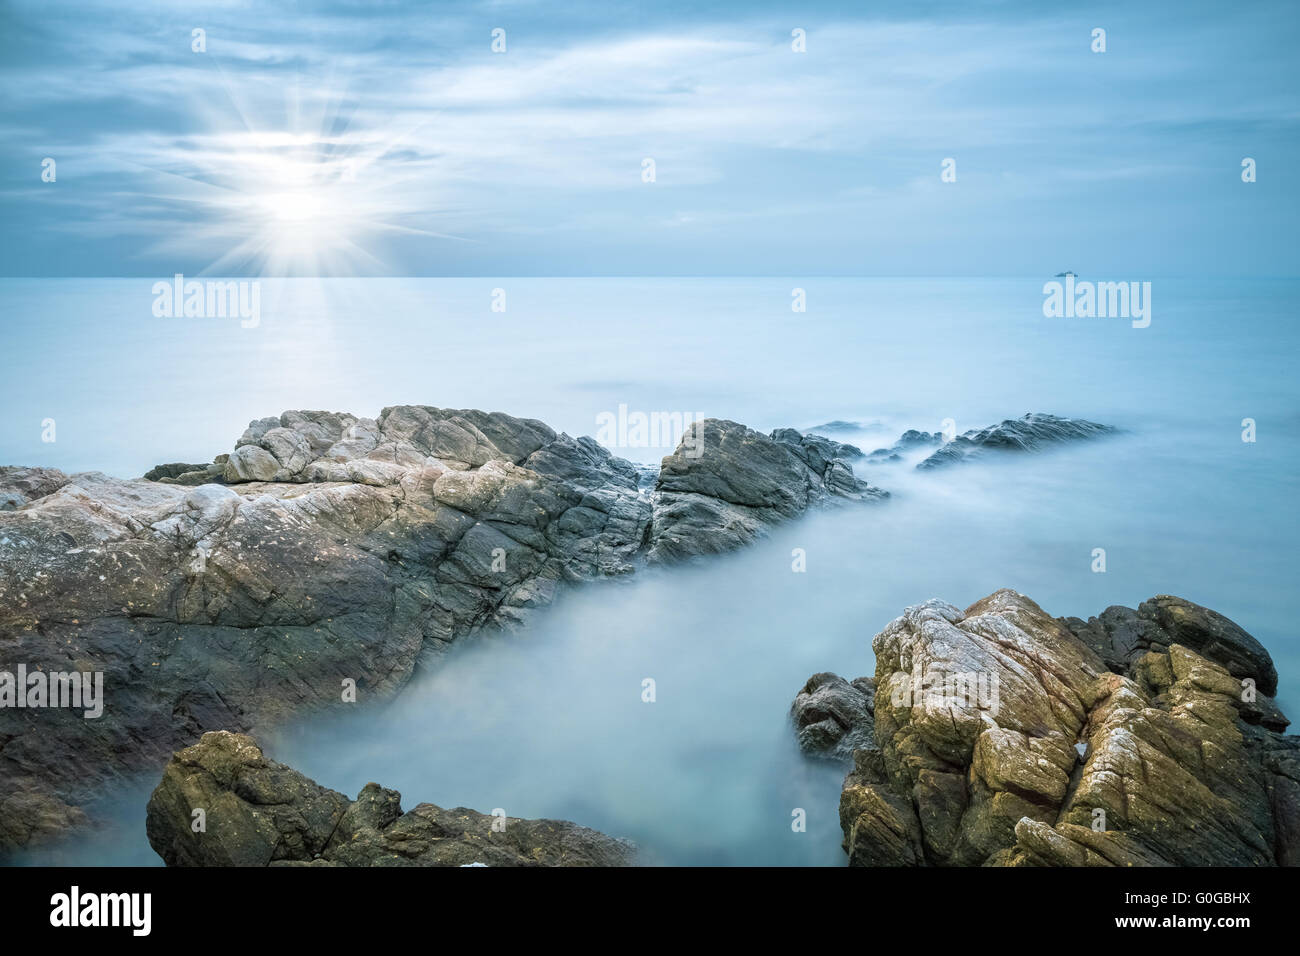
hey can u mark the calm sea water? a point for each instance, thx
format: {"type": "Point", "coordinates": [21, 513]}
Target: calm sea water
{"type": "Point", "coordinates": [551, 723]}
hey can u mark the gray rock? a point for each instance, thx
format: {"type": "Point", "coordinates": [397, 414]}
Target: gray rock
{"type": "Point", "coordinates": [833, 717]}
{"type": "Point", "coordinates": [20, 485]}
{"type": "Point", "coordinates": [839, 426]}
{"type": "Point", "coordinates": [908, 441]}
{"type": "Point", "coordinates": [250, 463]}
{"type": "Point", "coordinates": [1212, 635]}
{"type": "Point", "coordinates": [170, 471]}
{"type": "Point", "coordinates": [741, 484]}
{"type": "Point", "coordinates": [326, 547]}
{"type": "Point", "coordinates": [1015, 434]}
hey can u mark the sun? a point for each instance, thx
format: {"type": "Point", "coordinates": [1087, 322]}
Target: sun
{"type": "Point", "coordinates": [314, 192]}
{"type": "Point", "coordinates": [291, 207]}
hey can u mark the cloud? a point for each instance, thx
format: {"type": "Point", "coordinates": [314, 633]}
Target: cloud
{"type": "Point", "coordinates": [442, 138]}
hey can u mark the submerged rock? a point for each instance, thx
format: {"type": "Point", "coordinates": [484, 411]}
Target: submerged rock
{"type": "Point", "coordinates": [839, 426]}
{"type": "Point", "coordinates": [910, 440]}
{"type": "Point", "coordinates": [1015, 434]}
{"type": "Point", "coordinates": [256, 812]}
{"type": "Point", "coordinates": [1004, 736]}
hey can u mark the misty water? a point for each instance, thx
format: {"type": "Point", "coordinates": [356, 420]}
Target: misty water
{"type": "Point", "coordinates": [551, 722]}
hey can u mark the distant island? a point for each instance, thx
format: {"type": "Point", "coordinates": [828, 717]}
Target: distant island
{"type": "Point", "coordinates": [1067, 272]}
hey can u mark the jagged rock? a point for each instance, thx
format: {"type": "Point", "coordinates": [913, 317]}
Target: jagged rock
{"type": "Point", "coordinates": [1004, 736]}
{"type": "Point", "coordinates": [817, 451]}
{"type": "Point", "coordinates": [20, 485]}
{"type": "Point", "coordinates": [742, 484]}
{"type": "Point", "coordinates": [1015, 434]}
{"type": "Point", "coordinates": [908, 441]}
{"type": "Point", "coordinates": [256, 812]}
{"type": "Point", "coordinates": [1212, 635]}
{"type": "Point", "coordinates": [1122, 636]}
{"type": "Point", "coordinates": [30, 814]}
{"type": "Point", "coordinates": [172, 470]}
{"type": "Point", "coordinates": [833, 717]}
{"type": "Point", "coordinates": [339, 548]}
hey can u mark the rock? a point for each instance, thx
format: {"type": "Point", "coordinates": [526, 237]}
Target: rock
{"type": "Point", "coordinates": [30, 814]}
{"type": "Point", "coordinates": [332, 548]}
{"type": "Point", "coordinates": [880, 826]}
{"type": "Point", "coordinates": [1212, 635]}
{"type": "Point", "coordinates": [1006, 737]}
{"type": "Point", "coordinates": [833, 717]}
{"type": "Point", "coordinates": [741, 484]}
{"type": "Point", "coordinates": [1015, 434]}
{"type": "Point", "coordinates": [251, 463]}
{"type": "Point", "coordinates": [1122, 636]}
{"type": "Point", "coordinates": [817, 451]}
{"type": "Point", "coordinates": [327, 547]}
{"type": "Point", "coordinates": [257, 812]}
{"type": "Point", "coordinates": [839, 426]}
{"type": "Point", "coordinates": [18, 485]}
{"type": "Point", "coordinates": [908, 441]}
{"type": "Point", "coordinates": [253, 810]}
{"type": "Point", "coordinates": [172, 471]}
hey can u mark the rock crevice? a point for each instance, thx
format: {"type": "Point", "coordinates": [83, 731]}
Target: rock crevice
{"type": "Point", "coordinates": [1004, 736]}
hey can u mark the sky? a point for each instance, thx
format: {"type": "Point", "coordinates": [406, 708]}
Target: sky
{"type": "Point", "coordinates": [390, 138]}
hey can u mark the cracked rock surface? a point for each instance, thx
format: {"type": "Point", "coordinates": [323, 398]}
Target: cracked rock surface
{"type": "Point", "coordinates": [1004, 736]}
{"type": "Point", "coordinates": [327, 548]}
{"type": "Point", "coordinates": [256, 812]}
{"type": "Point", "coordinates": [1014, 435]}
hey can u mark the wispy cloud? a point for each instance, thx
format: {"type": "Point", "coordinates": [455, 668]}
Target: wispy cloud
{"type": "Point", "coordinates": [426, 151]}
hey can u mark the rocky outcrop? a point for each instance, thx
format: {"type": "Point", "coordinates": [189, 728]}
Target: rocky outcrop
{"type": "Point", "coordinates": [1015, 434]}
{"type": "Point", "coordinates": [180, 473]}
{"type": "Point", "coordinates": [834, 717]}
{"type": "Point", "coordinates": [1004, 736]}
{"type": "Point", "coordinates": [332, 551]}
{"type": "Point", "coordinates": [327, 552]}
{"type": "Point", "coordinates": [745, 483]}
{"type": "Point", "coordinates": [18, 485]}
{"type": "Point", "coordinates": [222, 802]}
{"type": "Point", "coordinates": [909, 441]}
{"type": "Point", "coordinates": [840, 426]}
{"type": "Point", "coordinates": [1122, 636]}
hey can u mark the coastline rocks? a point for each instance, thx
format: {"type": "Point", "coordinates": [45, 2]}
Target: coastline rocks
{"type": "Point", "coordinates": [740, 483]}
{"type": "Point", "coordinates": [1004, 736]}
{"type": "Point", "coordinates": [181, 473]}
{"type": "Point", "coordinates": [339, 549]}
{"type": "Point", "coordinates": [257, 812]}
{"type": "Point", "coordinates": [20, 485]}
{"type": "Point", "coordinates": [908, 441]}
{"type": "Point", "coordinates": [1121, 636]}
{"type": "Point", "coordinates": [1015, 434]}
